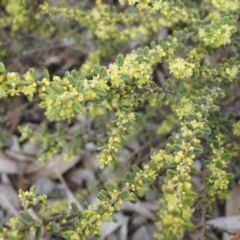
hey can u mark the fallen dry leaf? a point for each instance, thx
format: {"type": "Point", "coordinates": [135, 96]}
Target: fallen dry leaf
{"type": "Point", "coordinates": [110, 227]}
{"type": "Point", "coordinates": [11, 195]}
{"type": "Point", "coordinates": [10, 165]}
{"type": "Point", "coordinates": [143, 208]}
{"type": "Point", "coordinates": [58, 163]}
{"type": "Point", "coordinates": [70, 197]}
{"type": "Point", "coordinates": [141, 234]}
{"type": "Point", "coordinates": [229, 223]}
{"type": "Point", "coordinates": [233, 203]}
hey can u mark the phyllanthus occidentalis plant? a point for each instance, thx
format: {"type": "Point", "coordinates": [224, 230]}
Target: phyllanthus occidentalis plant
{"type": "Point", "coordinates": [192, 91]}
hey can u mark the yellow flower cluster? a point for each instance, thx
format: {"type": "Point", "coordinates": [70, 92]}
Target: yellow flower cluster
{"type": "Point", "coordinates": [114, 142]}
{"type": "Point", "coordinates": [216, 37]}
{"type": "Point", "coordinates": [226, 6]}
{"type": "Point", "coordinates": [236, 128]}
{"type": "Point", "coordinates": [29, 198]}
{"type": "Point", "coordinates": [104, 21]}
{"type": "Point", "coordinates": [93, 58]}
{"type": "Point", "coordinates": [232, 73]}
{"type": "Point", "coordinates": [181, 68]}
{"type": "Point", "coordinates": [183, 147]}
{"type": "Point", "coordinates": [219, 178]}
{"type": "Point", "coordinates": [127, 84]}
{"type": "Point", "coordinates": [19, 17]}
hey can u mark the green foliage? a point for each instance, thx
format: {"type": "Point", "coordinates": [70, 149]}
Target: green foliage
{"type": "Point", "coordinates": [193, 91]}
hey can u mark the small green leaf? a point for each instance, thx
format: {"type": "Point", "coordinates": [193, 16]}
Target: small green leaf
{"type": "Point", "coordinates": [82, 237]}
{"type": "Point", "coordinates": [105, 192]}
{"type": "Point", "coordinates": [194, 170]}
{"type": "Point", "coordinates": [79, 85]}
{"type": "Point", "coordinates": [67, 234]}
{"type": "Point", "coordinates": [135, 168]}
{"type": "Point", "coordinates": [132, 198]}
{"type": "Point", "coordinates": [77, 107]}
{"type": "Point", "coordinates": [189, 153]}
{"type": "Point", "coordinates": [2, 68]}
{"type": "Point", "coordinates": [53, 113]}
{"type": "Point", "coordinates": [129, 177]}
{"type": "Point", "coordinates": [102, 72]}
{"type": "Point", "coordinates": [188, 225]}
{"type": "Point", "coordinates": [230, 176]}
{"type": "Point", "coordinates": [146, 50]}
{"type": "Point", "coordinates": [139, 51]}
{"type": "Point", "coordinates": [218, 163]}
{"type": "Point", "coordinates": [227, 156]}
{"type": "Point", "coordinates": [152, 44]}
{"type": "Point", "coordinates": [169, 97]}
{"type": "Point", "coordinates": [169, 191]}
{"type": "Point", "coordinates": [102, 196]}
{"type": "Point", "coordinates": [214, 108]}
{"type": "Point", "coordinates": [33, 73]}
{"type": "Point", "coordinates": [80, 214]}
{"type": "Point", "coordinates": [215, 143]}
{"type": "Point", "coordinates": [136, 179]}
{"type": "Point", "coordinates": [206, 130]}
{"type": "Point", "coordinates": [114, 200]}
{"type": "Point", "coordinates": [28, 205]}
{"type": "Point", "coordinates": [198, 149]}
{"type": "Point", "coordinates": [58, 90]}
{"type": "Point", "coordinates": [171, 140]}
{"type": "Point", "coordinates": [26, 236]}
{"type": "Point", "coordinates": [85, 205]}
{"type": "Point", "coordinates": [30, 97]}
{"type": "Point", "coordinates": [171, 173]}
{"type": "Point", "coordinates": [24, 216]}
{"type": "Point", "coordinates": [199, 134]}
{"type": "Point", "coordinates": [147, 180]}
{"type": "Point", "coordinates": [38, 223]}
{"type": "Point", "coordinates": [154, 166]}
{"type": "Point", "coordinates": [101, 208]}
{"type": "Point", "coordinates": [177, 147]}
{"type": "Point", "coordinates": [120, 60]}
{"type": "Point", "coordinates": [162, 95]}
{"type": "Point", "coordinates": [111, 187]}
{"type": "Point", "coordinates": [49, 90]}
{"type": "Point", "coordinates": [75, 74]}
{"type": "Point", "coordinates": [187, 201]}
{"type": "Point", "coordinates": [43, 105]}
{"type": "Point", "coordinates": [100, 92]}
{"type": "Point", "coordinates": [43, 96]}
{"type": "Point", "coordinates": [191, 194]}
{"type": "Point", "coordinates": [106, 78]}
{"type": "Point", "coordinates": [114, 219]}
{"type": "Point", "coordinates": [124, 76]}
{"type": "Point", "coordinates": [168, 148]}
{"type": "Point", "coordinates": [96, 68]}
{"type": "Point", "coordinates": [55, 227]}
{"type": "Point", "coordinates": [190, 117]}
{"type": "Point", "coordinates": [207, 162]}
{"type": "Point", "coordinates": [72, 80]}
{"type": "Point", "coordinates": [74, 207]}
{"type": "Point", "coordinates": [139, 58]}
{"type": "Point", "coordinates": [46, 73]}
{"type": "Point", "coordinates": [124, 193]}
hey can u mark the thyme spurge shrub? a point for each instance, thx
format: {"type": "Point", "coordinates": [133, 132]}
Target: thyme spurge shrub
{"type": "Point", "coordinates": [193, 92]}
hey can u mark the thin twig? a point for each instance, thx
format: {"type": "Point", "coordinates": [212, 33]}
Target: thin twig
{"type": "Point", "coordinates": [204, 207]}
{"type": "Point", "coordinates": [44, 48]}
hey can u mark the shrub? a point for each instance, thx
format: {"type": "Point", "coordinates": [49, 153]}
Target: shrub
{"type": "Point", "coordinates": [119, 84]}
